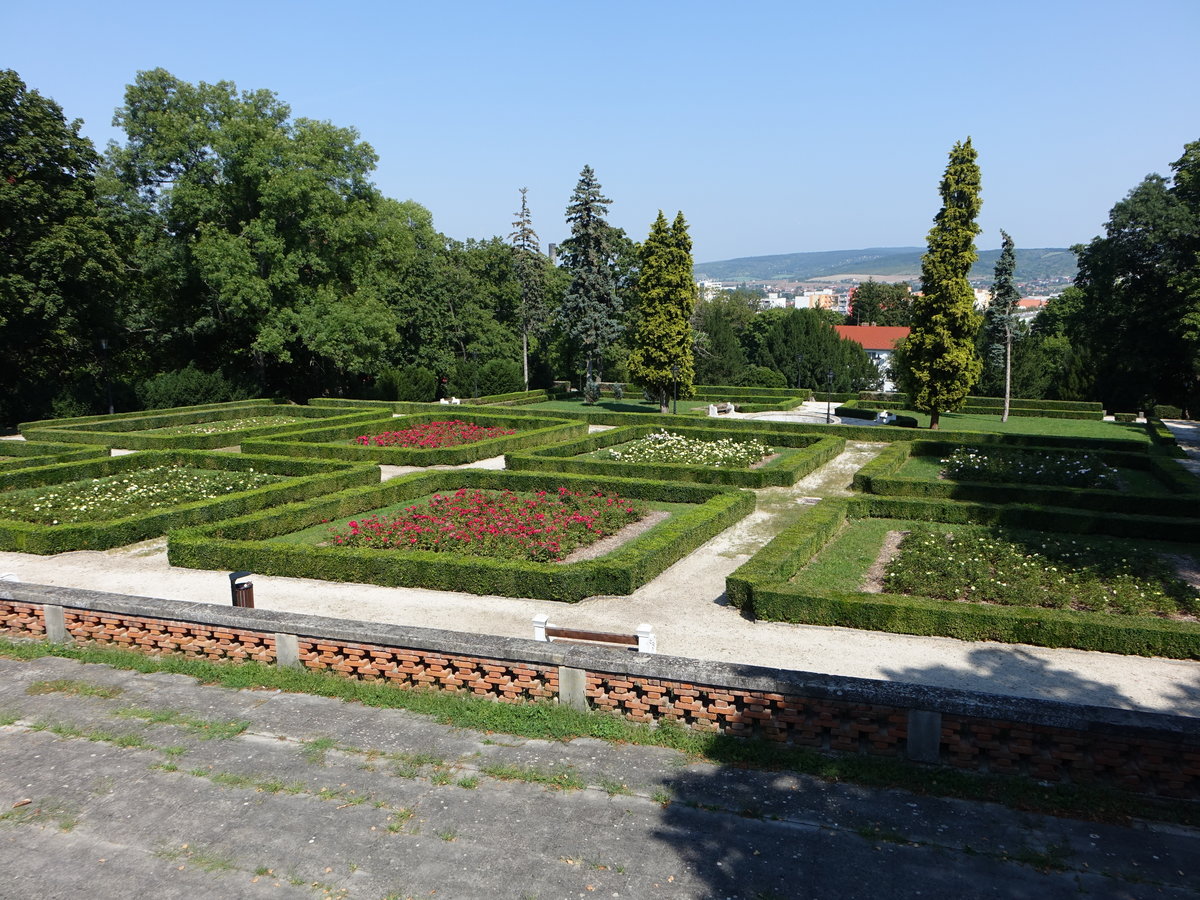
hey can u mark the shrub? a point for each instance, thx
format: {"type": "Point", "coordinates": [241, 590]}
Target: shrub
{"type": "Point", "coordinates": [591, 391]}
{"type": "Point", "coordinates": [414, 383]}
{"type": "Point", "coordinates": [618, 390]}
{"type": "Point", "coordinates": [189, 386]}
{"type": "Point", "coordinates": [760, 376]}
{"type": "Point", "coordinates": [500, 376]}
{"type": "Point", "coordinates": [1163, 411]}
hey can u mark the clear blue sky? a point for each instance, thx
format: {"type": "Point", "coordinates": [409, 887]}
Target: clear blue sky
{"type": "Point", "coordinates": [776, 127]}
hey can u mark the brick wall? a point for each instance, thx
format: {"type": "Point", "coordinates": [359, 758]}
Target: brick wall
{"type": "Point", "coordinates": [1047, 740]}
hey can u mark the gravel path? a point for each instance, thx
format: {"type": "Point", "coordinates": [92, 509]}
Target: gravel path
{"type": "Point", "coordinates": [687, 607]}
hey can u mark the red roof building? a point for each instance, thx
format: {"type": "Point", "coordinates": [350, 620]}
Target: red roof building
{"type": "Point", "coordinates": [874, 337]}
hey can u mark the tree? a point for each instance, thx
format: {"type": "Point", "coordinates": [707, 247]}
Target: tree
{"type": "Point", "coordinates": [591, 310]}
{"type": "Point", "coordinates": [59, 269]}
{"type": "Point", "coordinates": [661, 354]}
{"type": "Point", "coordinates": [260, 235]}
{"type": "Point", "coordinates": [1141, 284]}
{"type": "Point", "coordinates": [877, 303]}
{"type": "Point", "coordinates": [941, 363]}
{"type": "Point", "coordinates": [533, 314]}
{"type": "Point", "coordinates": [1000, 319]}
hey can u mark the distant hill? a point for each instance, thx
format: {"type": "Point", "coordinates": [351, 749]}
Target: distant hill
{"type": "Point", "coordinates": [890, 262]}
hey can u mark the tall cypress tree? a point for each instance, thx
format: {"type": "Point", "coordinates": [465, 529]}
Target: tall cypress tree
{"type": "Point", "coordinates": [591, 310]}
{"type": "Point", "coordinates": [661, 358]}
{"type": "Point", "coordinates": [530, 265]}
{"type": "Point", "coordinates": [1000, 317]}
{"type": "Point", "coordinates": [941, 362]}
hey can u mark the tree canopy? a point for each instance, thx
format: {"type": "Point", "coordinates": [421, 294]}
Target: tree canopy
{"type": "Point", "coordinates": [660, 357]}
{"type": "Point", "coordinates": [59, 270]}
{"type": "Point", "coordinates": [940, 361]}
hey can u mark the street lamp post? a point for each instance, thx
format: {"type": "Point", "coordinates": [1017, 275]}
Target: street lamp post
{"type": "Point", "coordinates": [828, 397]}
{"type": "Point", "coordinates": [675, 401]}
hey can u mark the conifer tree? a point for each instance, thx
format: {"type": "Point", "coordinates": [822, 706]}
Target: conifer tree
{"type": "Point", "coordinates": [591, 310]}
{"type": "Point", "coordinates": [530, 264]}
{"type": "Point", "coordinates": [1001, 315]}
{"type": "Point", "coordinates": [661, 357]}
{"type": "Point", "coordinates": [941, 362]}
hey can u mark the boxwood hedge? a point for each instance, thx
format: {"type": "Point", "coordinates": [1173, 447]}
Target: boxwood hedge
{"type": "Point", "coordinates": [762, 587]}
{"type": "Point", "coordinates": [137, 414]}
{"type": "Point", "coordinates": [23, 454]}
{"type": "Point", "coordinates": [803, 454]}
{"type": "Point", "coordinates": [335, 442]}
{"type": "Point", "coordinates": [137, 432]}
{"type": "Point", "coordinates": [244, 542]}
{"type": "Point", "coordinates": [879, 477]}
{"type": "Point", "coordinates": [306, 478]}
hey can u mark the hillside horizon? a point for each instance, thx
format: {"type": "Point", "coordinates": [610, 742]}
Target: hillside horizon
{"type": "Point", "coordinates": [894, 263]}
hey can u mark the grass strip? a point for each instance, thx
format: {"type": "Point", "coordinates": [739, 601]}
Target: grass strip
{"type": "Point", "coordinates": [552, 722]}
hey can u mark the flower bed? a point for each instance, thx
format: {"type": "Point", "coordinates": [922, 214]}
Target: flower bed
{"type": "Point", "coordinates": [606, 453]}
{"type": "Point", "coordinates": [275, 542]}
{"type": "Point", "coordinates": [226, 425]}
{"type": "Point", "coordinates": [201, 428]}
{"type": "Point", "coordinates": [1144, 484]}
{"type": "Point", "coordinates": [123, 511]}
{"type": "Point", "coordinates": [427, 439]}
{"type": "Point", "coordinates": [992, 465]}
{"type": "Point", "coordinates": [672, 447]}
{"type": "Point", "coordinates": [126, 494]}
{"type": "Point", "coordinates": [814, 572]}
{"type": "Point", "coordinates": [545, 526]}
{"type": "Point", "coordinates": [431, 435]}
{"type": "Point", "coordinates": [1024, 569]}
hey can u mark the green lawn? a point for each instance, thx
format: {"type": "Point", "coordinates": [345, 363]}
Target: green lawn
{"type": "Point", "coordinates": [1084, 428]}
{"type": "Point", "coordinates": [1131, 481]}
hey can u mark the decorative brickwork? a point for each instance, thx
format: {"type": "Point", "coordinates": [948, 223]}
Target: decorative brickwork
{"type": "Point", "coordinates": [1144, 758]}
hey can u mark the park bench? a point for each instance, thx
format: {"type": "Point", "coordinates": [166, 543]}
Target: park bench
{"type": "Point", "coordinates": [718, 409]}
{"type": "Point", "coordinates": [643, 641]}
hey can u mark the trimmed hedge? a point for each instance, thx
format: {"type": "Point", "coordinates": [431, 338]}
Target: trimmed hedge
{"type": "Point", "coordinates": [107, 417]}
{"type": "Point", "coordinates": [900, 398]}
{"type": "Point", "coordinates": [762, 588]}
{"type": "Point", "coordinates": [982, 410]}
{"type": "Point", "coordinates": [1017, 515]}
{"type": "Point", "coordinates": [332, 443]}
{"type": "Point", "coordinates": [1163, 411]}
{"type": "Point", "coordinates": [595, 416]}
{"type": "Point", "coordinates": [35, 453]}
{"type": "Point", "coordinates": [307, 478]}
{"type": "Point", "coordinates": [1162, 437]}
{"type": "Point", "coordinates": [515, 398]}
{"type": "Point", "coordinates": [879, 477]}
{"type": "Point", "coordinates": [127, 431]}
{"type": "Point", "coordinates": [734, 391]}
{"type": "Point", "coordinates": [805, 453]}
{"type": "Point", "coordinates": [243, 543]}
{"type": "Point", "coordinates": [1125, 418]}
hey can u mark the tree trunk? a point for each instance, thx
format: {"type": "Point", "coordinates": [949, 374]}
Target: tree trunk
{"type": "Point", "coordinates": [933, 420]}
{"type": "Point", "coordinates": [664, 401]}
{"type": "Point", "coordinates": [525, 357]}
{"type": "Point", "coordinates": [1007, 371]}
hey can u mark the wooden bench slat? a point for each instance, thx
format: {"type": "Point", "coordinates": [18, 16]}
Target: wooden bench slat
{"type": "Point", "coordinates": [604, 637]}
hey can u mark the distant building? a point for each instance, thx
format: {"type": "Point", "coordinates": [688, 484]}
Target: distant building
{"type": "Point", "coordinates": [879, 341]}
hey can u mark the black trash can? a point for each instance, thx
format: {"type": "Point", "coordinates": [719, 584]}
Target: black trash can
{"type": "Point", "coordinates": [242, 591]}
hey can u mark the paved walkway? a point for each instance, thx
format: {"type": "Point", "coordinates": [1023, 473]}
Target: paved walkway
{"type": "Point", "coordinates": [1187, 435]}
{"type": "Point", "coordinates": [687, 607]}
{"type": "Point", "coordinates": [117, 785]}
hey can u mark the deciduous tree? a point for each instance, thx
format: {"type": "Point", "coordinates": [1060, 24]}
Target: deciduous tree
{"type": "Point", "coordinates": [59, 270]}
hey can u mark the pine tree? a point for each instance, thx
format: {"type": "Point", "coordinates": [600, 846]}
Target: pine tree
{"type": "Point", "coordinates": [591, 310]}
{"type": "Point", "coordinates": [532, 312]}
{"type": "Point", "coordinates": [1000, 318]}
{"type": "Point", "coordinates": [941, 360]}
{"type": "Point", "coordinates": [661, 358]}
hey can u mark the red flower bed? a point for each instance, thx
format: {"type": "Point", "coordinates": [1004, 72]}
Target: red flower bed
{"type": "Point", "coordinates": [434, 434]}
{"type": "Point", "coordinates": [541, 527]}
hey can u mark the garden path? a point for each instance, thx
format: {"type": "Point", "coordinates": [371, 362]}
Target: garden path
{"type": "Point", "coordinates": [687, 607]}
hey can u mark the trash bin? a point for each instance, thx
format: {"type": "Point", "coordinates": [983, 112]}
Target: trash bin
{"type": "Point", "coordinates": [242, 591]}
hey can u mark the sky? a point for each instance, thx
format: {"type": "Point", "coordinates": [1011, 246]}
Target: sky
{"type": "Point", "coordinates": [775, 127]}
